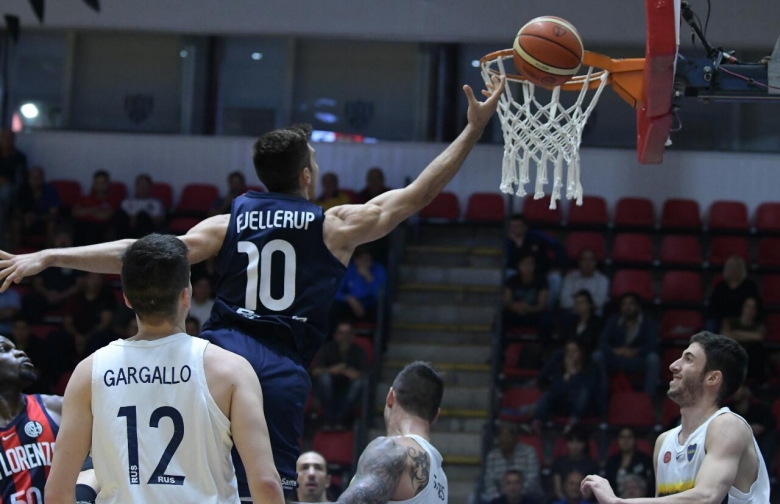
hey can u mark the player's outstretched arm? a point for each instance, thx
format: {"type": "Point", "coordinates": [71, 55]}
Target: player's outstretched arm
{"type": "Point", "coordinates": [379, 471]}
{"type": "Point", "coordinates": [203, 241]}
{"type": "Point", "coordinates": [356, 224]}
{"type": "Point", "coordinates": [74, 438]}
{"type": "Point", "coordinates": [250, 435]}
{"type": "Point", "coordinates": [727, 439]}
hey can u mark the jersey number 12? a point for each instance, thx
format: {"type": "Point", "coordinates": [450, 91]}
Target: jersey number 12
{"type": "Point", "coordinates": [158, 476]}
{"type": "Point", "coordinates": [259, 268]}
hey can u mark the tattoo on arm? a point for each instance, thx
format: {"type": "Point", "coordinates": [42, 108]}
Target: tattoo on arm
{"type": "Point", "coordinates": [420, 469]}
{"type": "Point", "coordinates": [379, 470]}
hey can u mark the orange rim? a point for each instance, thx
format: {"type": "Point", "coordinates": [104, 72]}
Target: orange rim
{"type": "Point", "coordinates": [625, 75]}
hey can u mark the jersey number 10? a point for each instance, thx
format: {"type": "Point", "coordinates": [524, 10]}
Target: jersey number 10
{"type": "Point", "coordinates": [259, 268]}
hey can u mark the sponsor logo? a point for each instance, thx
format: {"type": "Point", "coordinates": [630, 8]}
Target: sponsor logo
{"type": "Point", "coordinates": [8, 436]}
{"type": "Point", "coordinates": [691, 452]}
{"type": "Point", "coordinates": [667, 457]}
{"type": "Point", "coordinates": [289, 484]}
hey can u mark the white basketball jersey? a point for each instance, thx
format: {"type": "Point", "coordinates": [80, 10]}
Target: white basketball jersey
{"type": "Point", "coordinates": [435, 492]}
{"type": "Point", "coordinates": [678, 465]}
{"type": "Point", "coordinates": [158, 436]}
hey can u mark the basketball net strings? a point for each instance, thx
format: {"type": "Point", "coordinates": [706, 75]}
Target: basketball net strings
{"type": "Point", "coordinates": [543, 133]}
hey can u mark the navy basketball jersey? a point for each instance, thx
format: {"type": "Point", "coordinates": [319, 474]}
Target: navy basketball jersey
{"type": "Point", "coordinates": [27, 452]}
{"type": "Point", "coordinates": [277, 280]}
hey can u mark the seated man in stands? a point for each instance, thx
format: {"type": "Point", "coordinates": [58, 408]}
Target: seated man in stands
{"type": "Point", "coordinates": [585, 277]}
{"type": "Point", "coordinates": [634, 487]}
{"type": "Point", "coordinates": [571, 492]}
{"type": "Point", "coordinates": [140, 214]}
{"type": "Point", "coordinates": [313, 478]}
{"type": "Point", "coordinates": [331, 196]}
{"type": "Point", "coordinates": [512, 490]}
{"type": "Point", "coordinates": [339, 376]}
{"type": "Point", "coordinates": [89, 313]}
{"type": "Point", "coordinates": [236, 187]}
{"type": "Point", "coordinates": [629, 461]}
{"type": "Point", "coordinates": [629, 344]}
{"type": "Point", "coordinates": [38, 206]}
{"type": "Point", "coordinates": [522, 241]}
{"type": "Point", "coordinates": [730, 294]}
{"type": "Point", "coordinates": [510, 454]}
{"type": "Point", "coordinates": [583, 325]}
{"type": "Point", "coordinates": [358, 296]}
{"type": "Point", "coordinates": [577, 460]}
{"type": "Point", "coordinates": [94, 214]}
{"type": "Point", "coordinates": [526, 296]}
{"type": "Point", "coordinates": [375, 185]}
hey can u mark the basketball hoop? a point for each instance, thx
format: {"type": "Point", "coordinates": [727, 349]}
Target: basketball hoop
{"type": "Point", "coordinates": [551, 133]}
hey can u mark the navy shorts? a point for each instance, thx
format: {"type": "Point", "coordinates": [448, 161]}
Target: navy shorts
{"type": "Point", "coordinates": [286, 385]}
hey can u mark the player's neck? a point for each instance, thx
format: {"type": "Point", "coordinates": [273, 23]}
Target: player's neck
{"type": "Point", "coordinates": [11, 404]}
{"type": "Point", "coordinates": [151, 332]}
{"type": "Point", "coordinates": [692, 417]}
{"type": "Point", "coordinates": [409, 424]}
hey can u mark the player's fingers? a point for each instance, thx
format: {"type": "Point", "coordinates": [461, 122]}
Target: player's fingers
{"type": "Point", "coordinates": [498, 91]}
{"type": "Point", "coordinates": [485, 93]}
{"type": "Point", "coordinates": [469, 94]}
{"type": "Point", "coordinates": [7, 282]}
{"type": "Point", "coordinates": [5, 255]}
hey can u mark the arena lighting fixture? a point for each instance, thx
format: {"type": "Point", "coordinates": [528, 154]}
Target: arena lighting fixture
{"type": "Point", "coordinates": [29, 110]}
{"type": "Point", "coordinates": [257, 56]}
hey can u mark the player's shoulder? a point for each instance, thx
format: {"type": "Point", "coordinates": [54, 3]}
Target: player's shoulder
{"type": "Point", "coordinates": [729, 423]}
{"type": "Point", "coordinates": [224, 363]}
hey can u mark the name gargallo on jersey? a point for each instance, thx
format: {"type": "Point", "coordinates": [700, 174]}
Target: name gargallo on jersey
{"type": "Point", "coordinates": [169, 375]}
{"type": "Point", "coordinates": [273, 219]}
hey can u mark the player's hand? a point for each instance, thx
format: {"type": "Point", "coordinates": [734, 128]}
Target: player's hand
{"type": "Point", "coordinates": [13, 268]}
{"type": "Point", "coordinates": [479, 113]}
{"type": "Point", "coordinates": [600, 488]}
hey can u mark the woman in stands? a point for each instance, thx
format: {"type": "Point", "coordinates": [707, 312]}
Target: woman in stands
{"type": "Point", "coordinates": [749, 330]}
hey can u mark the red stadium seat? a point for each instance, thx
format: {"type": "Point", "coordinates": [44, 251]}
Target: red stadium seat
{"type": "Point", "coordinates": [561, 449]}
{"type": "Point", "coordinates": [577, 242]}
{"type": "Point", "coordinates": [632, 248]}
{"type": "Point", "coordinates": [773, 327]}
{"type": "Point", "coordinates": [768, 253]}
{"type": "Point", "coordinates": [196, 200]}
{"type": "Point", "coordinates": [768, 218]}
{"type": "Point", "coordinates": [682, 287]}
{"type": "Point", "coordinates": [634, 213]}
{"type": "Point", "coordinates": [593, 212]}
{"type": "Point", "coordinates": [680, 324]}
{"type": "Point", "coordinates": [538, 212]}
{"type": "Point", "coordinates": [680, 214]}
{"type": "Point", "coordinates": [335, 446]}
{"type": "Point", "coordinates": [518, 403]}
{"type": "Point", "coordinates": [642, 445]}
{"type": "Point", "coordinates": [512, 358]}
{"type": "Point", "coordinates": [443, 206]}
{"type": "Point", "coordinates": [368, 346]}
{"type": "Point", "coordinates": [631, 409]}
{"type": "Point", "coordinates": [69, 191]}
{"type": "Point", "coordinates": [117, 192]}
{"type": "Point", "coordinates": [486, 207]}
{"type": "Point", "coordinates": [638, 281]}
{"type": "Point", "coordinates": [728, 216]}
{"type": "Point", "coordinates": [180, 225]}
{"type": "Point", "coordinates": [534, 442]}
{"type": "Point", "coordinates": [770, 290]}
{"type": "Point", "coordinates": [42, 331]}
{"type": "Point", "coordinates": [670, 411]}
{"type": "Point", "coordinates": [723, 247]}
{"type": "Point", "coordinates": [164, 193]}
{"type": "Point", "coordinates": [680, 250]}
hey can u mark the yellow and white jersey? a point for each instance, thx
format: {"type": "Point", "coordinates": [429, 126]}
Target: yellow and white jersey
{"type": "Point", "coordinates": [678, 465]}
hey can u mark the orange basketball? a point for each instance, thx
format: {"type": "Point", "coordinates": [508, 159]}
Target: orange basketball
{"type": "Point", "coordinates": [548, 51]}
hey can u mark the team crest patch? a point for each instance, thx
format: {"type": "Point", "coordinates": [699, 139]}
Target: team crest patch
{"type": "Point", "coordinates": [33, 429]}
{"type": "Point", "coordinates": [667, 457]}
{"type": "Point", "coordinates": [691, 452]}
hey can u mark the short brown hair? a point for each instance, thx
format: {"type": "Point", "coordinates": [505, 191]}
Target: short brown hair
{"type": "Point", "coordinates": [280, 155]}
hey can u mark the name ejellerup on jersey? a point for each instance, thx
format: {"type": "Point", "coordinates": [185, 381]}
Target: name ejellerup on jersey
{"type": "Point", "coordinates": [274, 219]}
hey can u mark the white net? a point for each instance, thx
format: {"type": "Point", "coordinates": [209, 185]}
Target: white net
{"type": "Point", "coordinates": [545, 133]}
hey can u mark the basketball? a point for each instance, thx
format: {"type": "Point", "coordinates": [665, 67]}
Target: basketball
{"type": "Point", "coordinates": [548, 51]}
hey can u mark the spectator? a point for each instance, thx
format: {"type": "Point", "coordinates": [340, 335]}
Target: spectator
{"type": "Point", "coordinates": [10, 306]}
{"type": "Point", "coordinates": [730, 294]}
{"type": "Point", "coordinates": [512, 489]}
{"type": "Point", "coordinates": [358, 296]}
{"type": "Point", "coordinates": [89, 312]}
{"type": "Point", "coordinates": [749, 330]}
{"type": "Point", "coordinates": [629, 462]}
{"type": "Point", "coordinates": [571, 492]}
{"type": "Point", "coordinates": [523, 241]}
{"type": "Point", "coordinates": [375, 185]}
{"type": "Point", "coordinates": [573, 386]}
{"type": "Point", "coordinates": [331, 196]}
{"type": "Point", "coordinates": [141, 214]}
{"type": "Point", "coordinates": [126, 329]}
{"type": "Point", "coordinates": [583, 325]}
{"type": "Point", "coordinates": [236, 187]}
{"type": "Point", "coordinates": [313, 478]}
{"type": "Point", "coordinates": [634, 487]}
{"type": "Point", "coordinates": [202, 300]}
{"type": "Point", "coordinates": [192, 326]}
{"type": "Point", "coordinates": [53, 287]}
{"type": "Point", "coordinates": [339, 375]}
{"type": "Point", "coordinates": [588, 278]}
{"type": "Point", "coordinates": [525, 296]}
{"type": "Point", "coordinates": [629, 343]}
{"type": "Point", "coordinates": [13, 162]}
{"type": "Point", "coordinates": [38, 208]}
{"type": "Point", "coordinates": [510, 454]}
{"type": "Point", "coordinates": [760, 419]}
{"type": "Point", "coordinates": [577, 460]}
{"type": "Point", "coordinates": [95, 212]}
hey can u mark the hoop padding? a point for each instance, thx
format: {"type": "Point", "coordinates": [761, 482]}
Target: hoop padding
{"type": "Point", "coordinates": [546, 133]}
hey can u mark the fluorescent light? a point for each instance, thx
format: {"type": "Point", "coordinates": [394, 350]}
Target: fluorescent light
{"type": "Point", "coordinates": [29, 111]}
{"type": "Point", "coordinates": [257, 56]}
{"type": "Point", "coordinates": [475, 63]}
{"type": "Point", "coordinates": [183, 54]}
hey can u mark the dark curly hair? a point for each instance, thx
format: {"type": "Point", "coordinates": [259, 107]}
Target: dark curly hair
{"type": "Point", "coordinates": [280, 155]}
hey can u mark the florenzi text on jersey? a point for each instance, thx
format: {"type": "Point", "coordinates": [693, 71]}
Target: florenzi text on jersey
{"type": "Point", "coordinates": [23, 458]}
{"type": "Point", "coordinates": [277, 219]}
{"type": "Point", "coordinates": [161, 376]}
